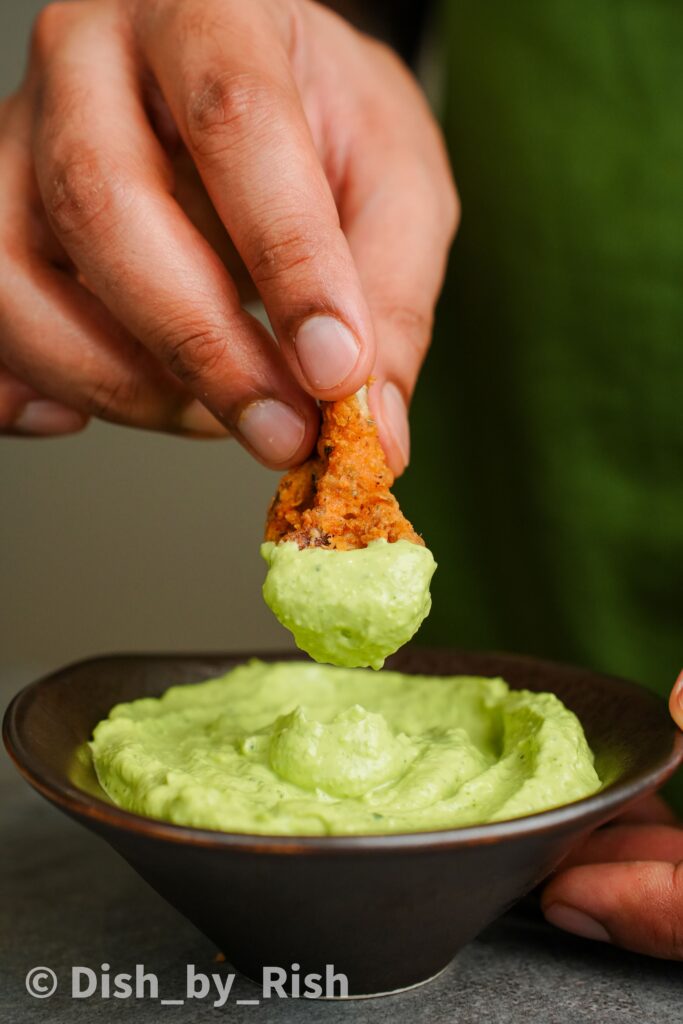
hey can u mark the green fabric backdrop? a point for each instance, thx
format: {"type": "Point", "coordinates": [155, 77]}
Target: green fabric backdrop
{"type": "Point", "coordinates": [548, 424]}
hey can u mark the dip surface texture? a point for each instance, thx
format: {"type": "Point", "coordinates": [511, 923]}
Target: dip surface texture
{"type": "Point", "coordinates": [349, 608]}
{"type": "Point", "coordinates": [295, 748]}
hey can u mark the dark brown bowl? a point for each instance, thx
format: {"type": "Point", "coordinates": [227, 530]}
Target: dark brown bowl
{"type": "Point", "coordinates": [388, 911]}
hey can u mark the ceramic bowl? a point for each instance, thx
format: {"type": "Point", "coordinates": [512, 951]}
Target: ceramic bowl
{"type": "Point", "coordinates": [387, 911]}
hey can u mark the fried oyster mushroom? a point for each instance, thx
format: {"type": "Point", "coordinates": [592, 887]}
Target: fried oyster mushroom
{"type": "Point", "coordinates": [341, 497]}
{"type": "Point", "coordinates": [348, 575]}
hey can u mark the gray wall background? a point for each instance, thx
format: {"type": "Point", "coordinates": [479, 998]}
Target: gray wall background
{"type": "Point", "coordinates": [122, 540]}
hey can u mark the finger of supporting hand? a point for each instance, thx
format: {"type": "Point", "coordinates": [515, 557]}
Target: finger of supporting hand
{"type": "Point", "coordinates": [24, 412]}
{"type": "Point", "coordinates": [629, 842]}
{"type": "Point", "coordinates": [232, 93]}
{"type": "Point", "coordinates": [106, 187]}
{"type": "Point", "coordinates": [637, 905]}
{"type": "Point", "coordinates": [652, 808]}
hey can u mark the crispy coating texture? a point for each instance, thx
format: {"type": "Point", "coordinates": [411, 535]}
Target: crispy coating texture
{"type": "Point", "coordinates": [340, 498]}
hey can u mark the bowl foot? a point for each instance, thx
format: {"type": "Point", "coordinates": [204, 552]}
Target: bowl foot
{"type": "Point", "coordinates": [355, 995]}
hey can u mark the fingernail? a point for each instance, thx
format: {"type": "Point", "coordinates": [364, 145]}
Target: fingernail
{"type": "Point", "coordinates": [395, 415]}
{"type": "Point", "coordinates": [43, 417]}
{"type": "Point", "coordinates": [327, 351]}
{"type": "Point", "coordinates": [196, 419]}
{"type": "Point", "coordinates": [575, 921]}
{"type": "Point", "coordinates": [272, 429]}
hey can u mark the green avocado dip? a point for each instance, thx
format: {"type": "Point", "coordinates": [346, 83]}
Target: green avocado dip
{"type": "Point", "coordinates": [349, 608]}
{"type": "Point", "coordinates": [296, 748]}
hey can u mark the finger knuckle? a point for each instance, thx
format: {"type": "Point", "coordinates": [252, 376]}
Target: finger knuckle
{"type": "Point", "coordinates": [111, 400]}
{"type": "Point", "coordinates": [225, 109]}
{"type": "Point", "coordinates": [15, 247]}
{"type": "Point", "coordinates": [384, 54]}
{"type": "Point", "coordinates": [193, 349]}
{"type": "Point", "coordinates": [287, 248]}
{"type": "Point", "coordinates": [48, 28]}
{"type": "Point", "coordinates": [78, 191]}
{"type": "Point", "coordinates": [413, 324]}
{"type": "Point", "coordinates": [115, 397]}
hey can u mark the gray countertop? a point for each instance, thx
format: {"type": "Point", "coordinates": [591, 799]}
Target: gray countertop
{"type": "Point", "coordinates": [66, 899]}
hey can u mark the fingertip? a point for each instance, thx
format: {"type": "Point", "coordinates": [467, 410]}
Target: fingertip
{"type": "Point", "coordinates": [575, 921]}
{"type": "Point", "coordinates": [390, 411]}
{"type": "Point", "coordinates": [564, 906]}
{"type": "Point", "coordinates": [277, 435]}
{"type": "Point", "coordinates": [333, 360]}
{"type": "Point", "coordinates": [45, 418]}
{"type": "Point", "coordinates": [572, 887]}
{"type": "Point", "coordinates": [676, 701]}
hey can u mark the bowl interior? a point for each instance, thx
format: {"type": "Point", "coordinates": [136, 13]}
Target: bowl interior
{"type": "Point", "coordinates": [629, 730]}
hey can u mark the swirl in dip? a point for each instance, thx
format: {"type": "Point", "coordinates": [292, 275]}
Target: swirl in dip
{"type": "Point", "coordinates": [296, 748]}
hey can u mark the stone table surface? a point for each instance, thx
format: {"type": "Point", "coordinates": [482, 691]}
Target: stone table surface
{"type": "Point", "coordinates": [67, 899]}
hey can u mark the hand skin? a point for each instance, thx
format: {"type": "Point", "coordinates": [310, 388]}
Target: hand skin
{"type": "Point", "coordinates": [164, 159]}
{"type": "Point", "coordinates": [625, 883]}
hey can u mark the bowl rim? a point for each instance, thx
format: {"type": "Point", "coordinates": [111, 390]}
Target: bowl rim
{"type": "Point", "coordinates": [96, 812]}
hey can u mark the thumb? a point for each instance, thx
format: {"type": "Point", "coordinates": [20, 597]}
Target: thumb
{"type": "Point", "coordinates": [637, 905]}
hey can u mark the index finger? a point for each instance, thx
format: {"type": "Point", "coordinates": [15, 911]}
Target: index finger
{"type": "Point", "coordinates": [232, 94]}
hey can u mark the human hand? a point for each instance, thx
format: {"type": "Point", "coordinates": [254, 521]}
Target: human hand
{"type": "Point", "coordinates": [325, 171]}
{"type": "Point", "coordinates": [625, 883]}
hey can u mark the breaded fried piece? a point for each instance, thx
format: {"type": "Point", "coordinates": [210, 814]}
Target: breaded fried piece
{"type": "Point", "coordinates": [341, 497]}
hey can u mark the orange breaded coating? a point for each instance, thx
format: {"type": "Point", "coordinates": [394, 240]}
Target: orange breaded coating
{"type": "Point", "coordinates": [341, 497]}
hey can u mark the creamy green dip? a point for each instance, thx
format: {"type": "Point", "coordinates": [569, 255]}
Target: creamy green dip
{"type": "Point", "coordinates": [295, 748]}
{"type": "Point", "coordinates": [349, 608]}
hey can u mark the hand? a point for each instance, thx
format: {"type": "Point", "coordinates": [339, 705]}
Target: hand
{"type": "Point", "coordinates": [121, 282]}
{"type": "Point", "coordinates": [625, 884]}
